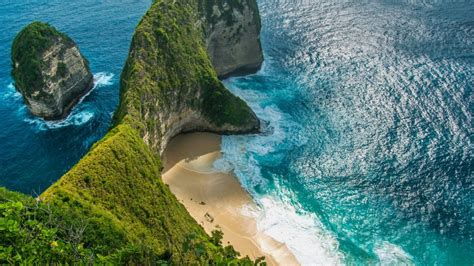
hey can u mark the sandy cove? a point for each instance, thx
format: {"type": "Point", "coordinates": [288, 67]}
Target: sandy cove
{"type": "Point", "coordinates": [216, 199]}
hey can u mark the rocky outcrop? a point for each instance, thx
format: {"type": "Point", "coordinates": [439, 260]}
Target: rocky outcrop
{"type": "Point", "coordinates": [232, 35]}
{"type": "Point", "coordinates": [49, 71]}
{"type": "Point", "coordinates": [169, 85]}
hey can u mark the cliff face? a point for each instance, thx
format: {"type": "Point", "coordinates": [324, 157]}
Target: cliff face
{"type": "Point", "coordinates": [49, 71]}
{"type": "Point", "coordinates": [114, 201]}
{"type": "Point", "coordinates": [169, 85]}
{"type": "Point", "coordinates": [232, 35]}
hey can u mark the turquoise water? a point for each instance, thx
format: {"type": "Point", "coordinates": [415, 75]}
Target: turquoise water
{"type": "Point", "coordinates": [367, 154]}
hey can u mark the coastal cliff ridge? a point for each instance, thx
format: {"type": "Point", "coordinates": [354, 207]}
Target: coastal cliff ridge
{"type": "Point", "coordinates": [112, 207]}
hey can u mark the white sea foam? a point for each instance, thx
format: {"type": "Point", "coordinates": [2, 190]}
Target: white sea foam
{"type": "Point", "coordinates": [390, 254]}
{"type": "Point", "coordinates": [103, 79]}
{"type": "Point", "coordinates": [277, 216]}
{"type": "Point", "coordinates": [302, 232]}
{"type": "Point", "coordinates": [78, 116]}
{"type": "Point", "coordinates": [12, 98]}
{"type": "Point", "coordinates": [11, 93]}
{"type": "Point", "coordinates": [76, 119]}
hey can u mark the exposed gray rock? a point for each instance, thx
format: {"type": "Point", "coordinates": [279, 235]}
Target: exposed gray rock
{"type": "Point", "coordinates": [168, 84]}
{"type": "Point", "coordinates": [61, 74]}
{"type": "Point", "coordinates": [232, 35]}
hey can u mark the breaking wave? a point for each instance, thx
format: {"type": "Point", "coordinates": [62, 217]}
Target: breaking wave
{"type": "Point", "coordinates": [80, 114]}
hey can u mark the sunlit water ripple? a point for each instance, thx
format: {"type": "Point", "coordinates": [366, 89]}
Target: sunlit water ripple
{"type": "Point", "coordinates": [367, 156]}
{"type": "Point", "coordinates": [371, 155]}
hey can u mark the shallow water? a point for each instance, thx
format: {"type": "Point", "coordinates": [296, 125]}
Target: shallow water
{"type": "Point", "coordinates": [367, 156]}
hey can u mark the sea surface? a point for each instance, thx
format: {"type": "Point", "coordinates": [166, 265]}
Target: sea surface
{"type": "Point", "coordinates": [367, 152]}
{"type": "Point", "coordinates": [368, 156]}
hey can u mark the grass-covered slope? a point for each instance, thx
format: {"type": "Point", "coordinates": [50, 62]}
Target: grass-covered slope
{"type": "Point", "coordinates": [117, 189]}
{"type": "Point", "coordinates": [118, 179]}
{"type": "Point", "coordinates": [168, 78]}
{"type": "Point", "coordinates": [112, 207]}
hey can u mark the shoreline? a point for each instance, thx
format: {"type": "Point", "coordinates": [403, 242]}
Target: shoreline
{"type": "Point", "coordinates": [215, 199]}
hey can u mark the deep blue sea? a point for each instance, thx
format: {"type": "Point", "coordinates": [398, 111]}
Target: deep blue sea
{"type": "Point", "coordinates": [35, 153]}
{"type": "Point", "coordinates": [367, 155]}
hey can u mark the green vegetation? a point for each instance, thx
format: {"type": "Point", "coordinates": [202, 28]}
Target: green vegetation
{"type": "Point", "coordinates": [168, 68]}
{"type": "Point", "coordinates": [112, 207]}
{"type": "Point", "coordinates": [117, 188]}
{"type": "Point", "coordinates": [27, 48]}
{"type": "Point", "coordinates": [32, 232]}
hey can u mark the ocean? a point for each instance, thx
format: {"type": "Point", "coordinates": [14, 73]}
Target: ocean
{"type": "Point", "coordinates": [366, 155]}
{"type": "Point", "coordinates": [35, 153]}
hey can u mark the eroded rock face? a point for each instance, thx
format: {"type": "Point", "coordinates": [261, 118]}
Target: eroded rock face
{"type": "Point", "coordinates": [232, 35]}
{"type": "Point", "coordinates": [169, 86]}
{"type": "Point", "coordinates": [49, 71]}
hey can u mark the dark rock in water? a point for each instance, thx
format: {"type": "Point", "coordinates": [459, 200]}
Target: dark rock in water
{"type": "Point", "coordinates": [232, 36]}
{"type": "Point", "coordinates": [49, 71]}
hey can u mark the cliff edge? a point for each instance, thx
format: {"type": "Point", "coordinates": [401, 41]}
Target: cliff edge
{"type": "Point", "coordinates": [49, 71]}
{"type": "Point", "coordinates": [169, 85]}
{"type": "Point", "coordinates": [112, 207]}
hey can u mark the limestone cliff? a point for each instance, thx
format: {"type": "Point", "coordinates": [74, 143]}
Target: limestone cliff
{"type": "Point", "coordinates": [113, 205]}
{"type": "Point", "coordinates": [169, 85]}
{"type": "Point", "coordinates": [232, 35]}
{"type": "Point", "coordinates": [49, 71]}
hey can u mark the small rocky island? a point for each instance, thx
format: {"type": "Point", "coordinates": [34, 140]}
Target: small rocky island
{"type": "Point", "coordinates": [49, 71]}
{"type": "Point", "coordinates": [112, 205]}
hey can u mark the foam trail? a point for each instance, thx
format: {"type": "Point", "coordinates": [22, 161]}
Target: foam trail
{"type": "Point", "coordinates": [101, 79]}
{"type": "Point", "coordinates": [302, 232]}
{"type": "Point", "coordinates": [78, 116]}
{"type": "Point", "coordinates": [76, 119]}
{"type": "Point", "coordinates": [390, 254]}
{"type": "Point", "coordinates": [11, 93]}
{"type": "Point", "coordinates": [12, 98]}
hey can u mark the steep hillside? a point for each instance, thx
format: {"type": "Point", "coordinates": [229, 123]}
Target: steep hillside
{"type": "Point", "coordinates": [113, 206]}
{"type": "Point", "coordinates": [169, 85]}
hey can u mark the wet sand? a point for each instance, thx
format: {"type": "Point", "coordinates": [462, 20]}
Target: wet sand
{"type": "Point", "coordinates": [215, 199]}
